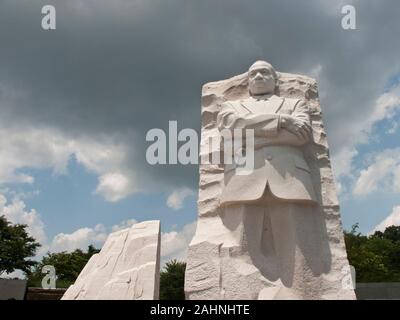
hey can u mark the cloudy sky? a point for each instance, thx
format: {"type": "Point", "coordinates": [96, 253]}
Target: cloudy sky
{"type": "Point", "coordinates": [76, 104]}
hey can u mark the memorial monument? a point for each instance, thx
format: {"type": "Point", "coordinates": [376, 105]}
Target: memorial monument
{"type": "Point", "coordinates": [126, 268]}
{"type": "Point", "coordinates": [275, 232]}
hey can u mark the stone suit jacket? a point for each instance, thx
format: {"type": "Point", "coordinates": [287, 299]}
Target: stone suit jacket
{"type": "Point", "coordinates": [279, 164]}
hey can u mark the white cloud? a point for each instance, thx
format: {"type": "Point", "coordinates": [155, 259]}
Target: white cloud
{"type": "Point", "coordinates": [19, 274]}
{"type": "Point", "coordinates": [15, 212]}
{"type": "Point", "coordinates": [383, 174]}
{"type": "Point", "coordinates": [123, 225]}
{"type": "Point", "coordinates": [176, 198]}
{"type": "Point", "coordinates": [114, 186]}
{"type": "Point", "coordinates": [79, 239]}
{"type": "Point", "coordinates": [392, 220]}
{"type": "Point", "coordinates": [394, 127]}
{"type": "Point", "coordinates": [174, 244]}
{"type": "Point", "coordinates": [107, 159]}
{"type": "Point", "coordinates": [316, 71]}
{"type": "Point", "coordinates": [342, 161]}
{"type": "Point", "coordinates": [19, 195]}
{"type": "Point", "coordinates": [83, 237]}
{"type": "Point", "coordinates": [339, 187]}
{"type": "Point", "coordinates": [34, 148]}
{"type": "Point", "coordinates": [43, 148]}
{"type": "Point", "coordinates": [396, 179]}
{"type": "Point", "coordinates": [386, 106]}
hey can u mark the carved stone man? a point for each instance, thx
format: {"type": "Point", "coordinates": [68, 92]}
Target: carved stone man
{"type": "Point", "coordinates": [268, 202]}
{"type": "Point", "coordinates": [274, 232]}
{"type": "Point", "coordinates": [281, 127]}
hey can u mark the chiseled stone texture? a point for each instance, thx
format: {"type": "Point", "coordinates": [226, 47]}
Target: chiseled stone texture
{"type": "Point", "coordinates": [217, 268]}
{"type": "Point", "coordinates": [126, 268]}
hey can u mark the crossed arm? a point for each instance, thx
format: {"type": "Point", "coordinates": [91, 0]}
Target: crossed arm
{"type": "Point", "coordinates": [294, 129]}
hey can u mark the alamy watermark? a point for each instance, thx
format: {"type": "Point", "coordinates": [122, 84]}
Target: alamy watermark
{"type": "Point", "coordinates": [49, 280]}
{"type": "Point", "coordinates": [49, 19]}
{"type": "Point", "coordinates": [349, 20]}
{"type": "Point", "coordinates": [228, 147]}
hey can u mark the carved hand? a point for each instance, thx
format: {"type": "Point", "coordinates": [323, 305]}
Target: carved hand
{"type": "Point", "coordinates": [296, 126]}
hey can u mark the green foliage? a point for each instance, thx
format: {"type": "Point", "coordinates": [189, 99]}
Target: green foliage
{"type": "Point", "coordinates": [68, 266]}
{"type": "Point", "coordinates": [172, 280]}
{"type": "Point", "coordinates": [376, 258]}
{"type": "Point", "coordinates": [15, 247]}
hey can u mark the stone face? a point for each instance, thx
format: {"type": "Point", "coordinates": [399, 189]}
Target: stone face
{"type": "Point", "coordinates": [126, 268]}
{"type": "Point", "coordinates": [267, 249]}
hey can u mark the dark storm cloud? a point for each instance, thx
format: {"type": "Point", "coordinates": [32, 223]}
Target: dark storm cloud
{"type": "Point", "coordinates": [124, 67]}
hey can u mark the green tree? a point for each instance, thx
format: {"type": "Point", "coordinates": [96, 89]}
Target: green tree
{"type": "Point", "coordinates": [15, 247]}
{"type": "Point", "coordinates": [68, 266]}
{"type": "Point", "coordinates": [172, 280]}
{"type": "Point", "coordinates": [376, 257]}
{"type": "Point", "coordinates": [391, 233]}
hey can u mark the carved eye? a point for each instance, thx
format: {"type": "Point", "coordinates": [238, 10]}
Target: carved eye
{"type": "Point", "coordinates": [263, 72]}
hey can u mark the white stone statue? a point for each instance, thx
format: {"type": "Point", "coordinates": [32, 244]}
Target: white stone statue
{"type": "Point", "coordinates": [281, 126]}
{"type": "Point", "coordinates": [274, 233]}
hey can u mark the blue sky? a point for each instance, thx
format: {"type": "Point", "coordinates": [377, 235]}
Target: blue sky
{"type": "Point", "coordinates": [77, 102]}
{"type": "Point", "coordinates": [370, 209]}
{"type": "Point", "coordinates": [80, 207]}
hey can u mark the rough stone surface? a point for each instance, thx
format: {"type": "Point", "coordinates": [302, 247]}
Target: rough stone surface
{"type": "Point", "coordinates": [219, 268]}
{"type": "Point", "coordinates": [126, 268]}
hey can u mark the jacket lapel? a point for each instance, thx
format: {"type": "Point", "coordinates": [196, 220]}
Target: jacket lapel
{"type": "Point", "coordinates": [275, 104]}
{"type": "Point", "coordinates": [250, 106]}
